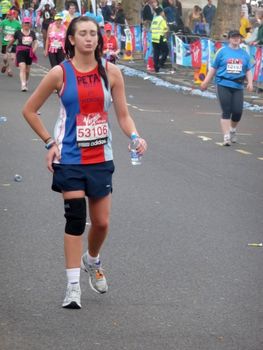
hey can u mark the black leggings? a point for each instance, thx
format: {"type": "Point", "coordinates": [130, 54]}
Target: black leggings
{"type": "Point", "coordinates": [56, 58]}
{"type": "Point", "coordinates": [231, 102]}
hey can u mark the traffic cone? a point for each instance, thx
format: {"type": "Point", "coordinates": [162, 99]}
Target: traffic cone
{"type": "Point", "coordinates": [200, 73]}
{"type": "Point", "coordinates": [128, 46]}
{"type": "Point", "coordinates": [150, 64]}
{"type": "Point", "coordinates": [196, 76]}
{"type": "Point", "coordinates": [127, 53]}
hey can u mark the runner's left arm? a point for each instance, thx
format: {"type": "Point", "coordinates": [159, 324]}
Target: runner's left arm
{"type": "Point", "coordinates": [35, 43]}
{"type": "Point", "coordinates": [125, 120]}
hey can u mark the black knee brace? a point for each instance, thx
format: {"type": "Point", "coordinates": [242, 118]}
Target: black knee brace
{"type": "Point", "coordinates": [75, 214]}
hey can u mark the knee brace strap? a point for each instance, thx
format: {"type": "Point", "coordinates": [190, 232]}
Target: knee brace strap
{"type": "Point", "coordinates": [75, 214]}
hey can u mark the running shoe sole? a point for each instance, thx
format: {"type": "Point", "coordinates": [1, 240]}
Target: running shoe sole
{"type": "Point", "coordinates": [72, 305]}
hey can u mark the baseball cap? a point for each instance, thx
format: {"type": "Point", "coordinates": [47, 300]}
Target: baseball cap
{"type": "Point", "coordinates": [233, 33]}
{"type": "Point", "coordinates": [11, 13]}
{"type": "Point", "coordinates": [107, 26]}
{"type": "Point", "coordinates": [26, 20]}
{"type": "Point", "coordinates": [58, 16]}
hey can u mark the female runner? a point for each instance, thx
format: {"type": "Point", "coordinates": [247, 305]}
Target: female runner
{"type": "Point", "coordinates": [80, 154]}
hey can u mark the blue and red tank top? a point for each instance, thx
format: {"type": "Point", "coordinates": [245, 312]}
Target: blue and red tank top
{"type": "Point", "coordinates": [82, 131]}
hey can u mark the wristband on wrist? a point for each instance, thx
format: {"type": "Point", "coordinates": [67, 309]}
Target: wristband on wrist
{"type": "Point", "coordinates": [134, 136]}
{"type": "Point", "coordinates": [49, 138]}
{"type": "Point", "coordinates": [50, 144]}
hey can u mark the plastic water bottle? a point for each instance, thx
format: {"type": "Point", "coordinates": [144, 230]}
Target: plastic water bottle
{"type": "Point", "coordinates": [136, 159]}
{"type": "Point", "coordinates": [2, 120]}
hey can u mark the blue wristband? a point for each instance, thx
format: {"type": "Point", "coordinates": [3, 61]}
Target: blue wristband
{"type": "Point", "coordinates": [50, 144]}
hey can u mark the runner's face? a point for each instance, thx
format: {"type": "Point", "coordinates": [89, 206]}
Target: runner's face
{"type": "Point", "coordinates": [58, 22]}
{"type": "Point", "coordinates": [85, 38]}
{"type": "Point", "coordinates": [235, 40]}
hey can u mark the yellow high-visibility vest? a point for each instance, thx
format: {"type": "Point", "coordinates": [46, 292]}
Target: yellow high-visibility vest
{"type": "Point", "coordinates": [158, 28]}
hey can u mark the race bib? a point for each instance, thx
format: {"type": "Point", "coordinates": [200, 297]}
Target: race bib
{"type": "Point", "coordinates": [8, 37]}
{"type": "Point", "coordinates": [56, 44]}
{"type": "Point", "coordinates": [47, 15]}
{"type": "Point", "coordinates": [92, 129]}
{"type": "Point", "coordinates": [27, 40]}
{"type": "Point", "coordinates": [234, 65]}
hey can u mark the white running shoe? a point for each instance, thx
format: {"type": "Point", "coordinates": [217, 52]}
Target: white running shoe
{"type": "Point", "coordinates": [97, 278]}
{"type": "Point", "coordinates": [72, 298]}
{"type": "Point", "coordinates": [233, 136]}
{"type": "Point", "coordinates": [227, 141]}
{"type": "Point", "coordinates": [24, 87]}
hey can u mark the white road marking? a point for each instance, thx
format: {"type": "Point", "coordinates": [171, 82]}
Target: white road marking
{"type": "Point", "coordinates": [208, 113]}
{"type": "Point", "coordinates": [243, 151]}
{"type": "Point", "coordinates": [204, 138]}
{"type": "Point", "coordinates": [144, 110]}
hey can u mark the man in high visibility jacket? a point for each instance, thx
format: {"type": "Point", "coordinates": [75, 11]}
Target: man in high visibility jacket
{"type": "Point", "coordinates": [159, 30]}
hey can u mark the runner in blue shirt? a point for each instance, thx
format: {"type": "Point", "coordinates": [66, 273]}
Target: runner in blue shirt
{"type": "Point", "coordinates": [231, 67]}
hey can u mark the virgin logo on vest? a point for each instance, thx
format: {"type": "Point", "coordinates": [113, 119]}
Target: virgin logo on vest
{"type": "Point", "coordinates": [88, 80]}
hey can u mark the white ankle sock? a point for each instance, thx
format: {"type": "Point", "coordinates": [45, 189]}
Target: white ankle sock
{"type": "Point", "coordinates": [92, 260]}
{"type": "Point", "coordinates": [233, 129]}
{"type": "Point", "coordinates": [73, 275]}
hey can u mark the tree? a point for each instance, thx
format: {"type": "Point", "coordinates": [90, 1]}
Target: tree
{"type": "Point", "coordinates": [227, 17]}
{"type": "Point", "coordinates": [132, 11]}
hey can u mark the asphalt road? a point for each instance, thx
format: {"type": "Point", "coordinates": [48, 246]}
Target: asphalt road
{"type": "Point", "coordinates": [181, 274]}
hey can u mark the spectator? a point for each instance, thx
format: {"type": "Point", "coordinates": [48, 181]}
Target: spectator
{"type": "Point", "coordinates": [159, 30]}
{"type": "Point", "coordinates": [106, 12]}
{"type": "Point", "coordinates": [209, 12]}
{"type": "Point", "coordinates": [171, 16]}
{"type": "Point", "coordinates": [244, 25]}
{"type": "Point", "coordinates": [147, 14]}
{"type": "Point", "coordinates": [195, 20]}
{"type": "Point", "coordinates": [165, 4]}
{"type": "Point", "coordinates": [113, 8]}
{"type": "Point", "coordinates": [259, 16]}
{"type": "Point", "coordinates": [244, 8]}
{"type": "Point", "coordinates": [120, 19]}
{"type": "Point", "coordinates": [253, 33]}
{"type": "Point", "coordinates": [110, 44]}
{"type": "Point", "coordinates": [155, 4]}
{"type": "Point", "coordinates": [72, 13]}
{"type": "Point", "coordinates": [179, 8]}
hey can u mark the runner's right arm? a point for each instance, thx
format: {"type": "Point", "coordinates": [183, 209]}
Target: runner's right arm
{"type": "Point", "coordinates": [52, 81]}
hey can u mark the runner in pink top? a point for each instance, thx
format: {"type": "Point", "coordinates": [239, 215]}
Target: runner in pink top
{"type": "Point", "coordinates": [55, 41]}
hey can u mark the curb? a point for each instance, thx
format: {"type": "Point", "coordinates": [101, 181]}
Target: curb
{"type": "Point", "coordinates": [183, 83]}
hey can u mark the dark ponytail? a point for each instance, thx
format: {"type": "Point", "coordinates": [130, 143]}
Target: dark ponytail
{"type": "Point", "coordinates": [70, 49]}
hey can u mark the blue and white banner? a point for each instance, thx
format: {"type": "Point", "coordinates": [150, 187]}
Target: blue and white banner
{"type": "Point", "coordinates": [183, 53]}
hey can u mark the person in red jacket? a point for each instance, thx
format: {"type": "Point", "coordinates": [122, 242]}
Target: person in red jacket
{"type": "Point", "coordinates": [110, 44]}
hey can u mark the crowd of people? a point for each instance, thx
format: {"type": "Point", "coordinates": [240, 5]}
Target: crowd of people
{"type": "Point", "coordinates": [21, 28]}
{"type": "Point", "coordinates": [196, 21]}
